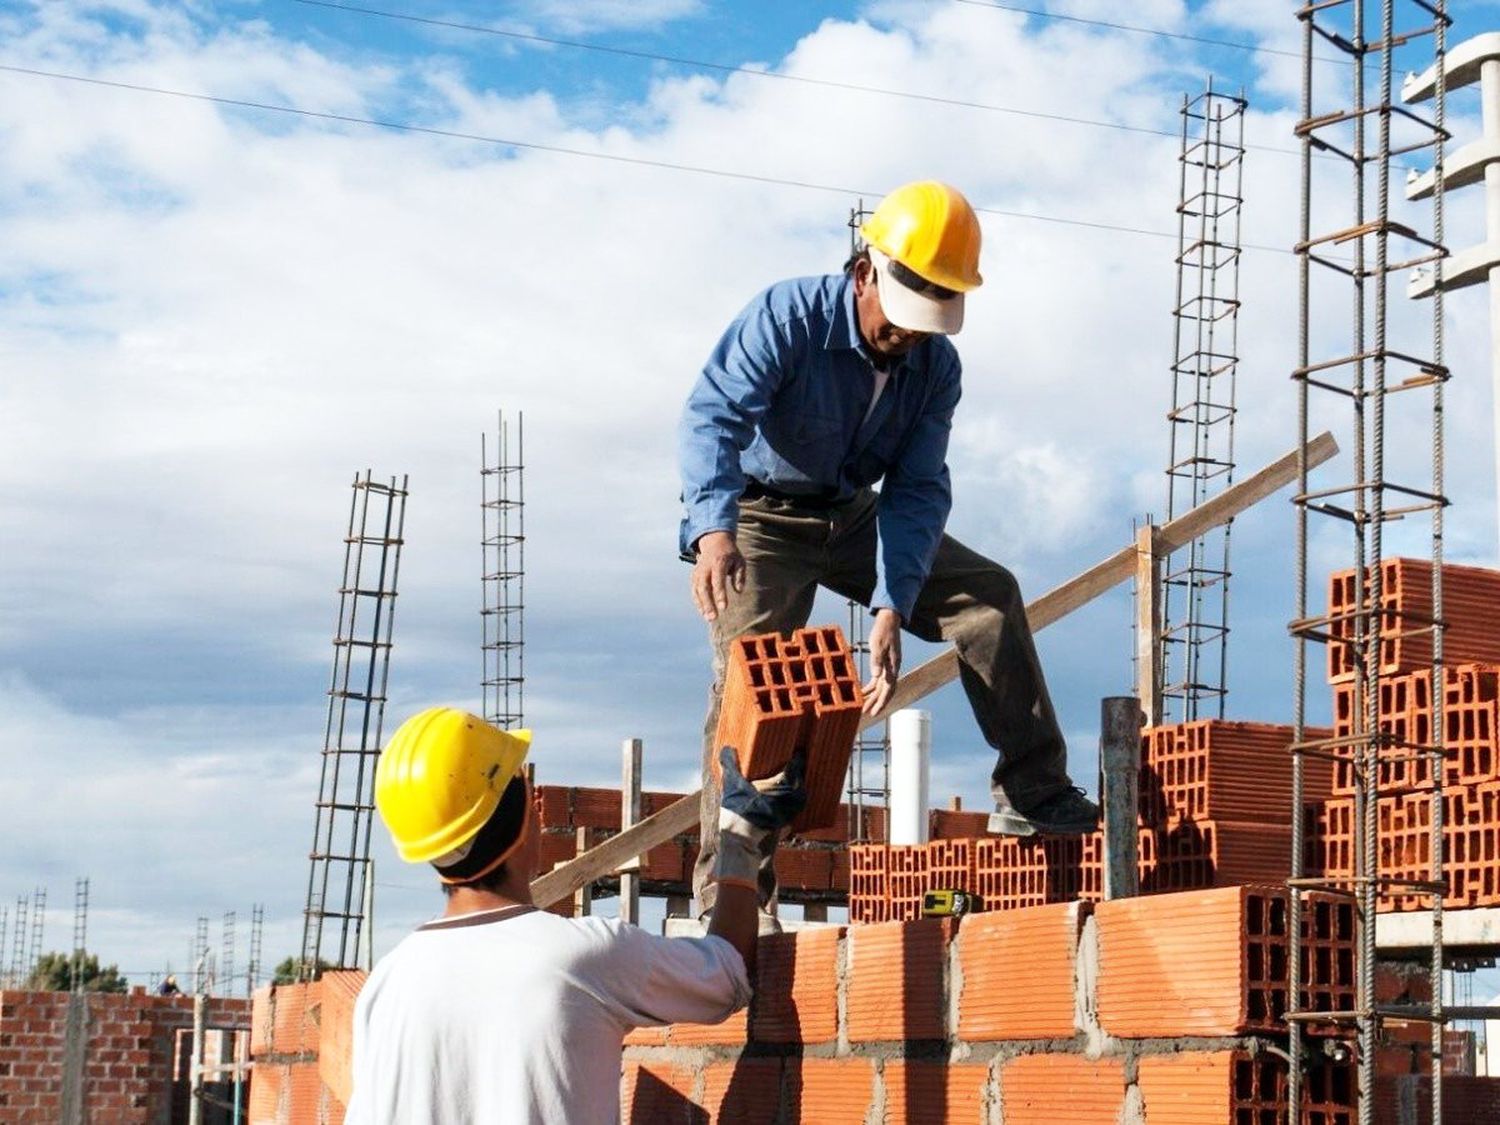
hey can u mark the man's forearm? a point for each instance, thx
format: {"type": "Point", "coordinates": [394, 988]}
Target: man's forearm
{"type": "Point", "coordinates": [736, 919]}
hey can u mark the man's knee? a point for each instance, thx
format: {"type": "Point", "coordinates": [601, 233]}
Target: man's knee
{"type": "Point", "coordinates": [997, 588]}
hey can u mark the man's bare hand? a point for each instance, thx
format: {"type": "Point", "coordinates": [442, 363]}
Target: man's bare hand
{"type": "Point", "coordinates": [885, 660]}
{"type": "Point", "coordinates": [720, 566]}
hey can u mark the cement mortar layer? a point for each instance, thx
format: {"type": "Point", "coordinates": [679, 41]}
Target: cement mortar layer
{"type": "Point", "coordinates": [1128, 1051]}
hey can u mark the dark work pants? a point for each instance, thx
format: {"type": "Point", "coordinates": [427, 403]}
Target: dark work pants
{"type": "Point", "coordinates": [969, 601]}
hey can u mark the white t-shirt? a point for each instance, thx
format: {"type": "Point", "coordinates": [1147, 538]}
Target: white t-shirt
{"type": "Point", "coordinates": [516, 1016]}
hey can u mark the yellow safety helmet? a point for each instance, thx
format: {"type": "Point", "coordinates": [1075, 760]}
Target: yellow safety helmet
{"type": "Point", "coordinates": [930, 229]}
{"type": "Point", "coordinates": [440, 778]}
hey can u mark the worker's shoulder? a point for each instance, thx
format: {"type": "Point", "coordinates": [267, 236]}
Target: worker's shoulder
{"type": "Point", "coordinates": [815, 299]}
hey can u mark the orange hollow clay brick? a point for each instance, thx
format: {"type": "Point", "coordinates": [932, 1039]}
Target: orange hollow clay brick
{"type": "Point", "coordinates": [830, 1091]}
{"type": "Point", "coordinates": [906, 880]}
{"type": "Point", "coordinates": [895, 981]}
{"type": "Point", "coordinates": [733, 1032]}
{"type": "Point", "coordinates": [1196, 1087]}
{"type": "Point", "coordinates": [746, 1091]}
{"type": "Point", "coordinates": [1211, 769]}
{"type": "Point", "coordinates": [294, 1031]}
{"type": "Point", "coordinates": [266, 1081]}
{"type": "Point", "coordinates": [1471, 609]}
{"type": "Point", "coordinates": [653, 1093]}
{"type": "Point", "coordinates": [1046, 1089]}
{"type": "Point", "coordinates": [1016, 973]}
{"type": "Point", "coordinates": [809, 869]}
{"type": "Point", "coordinates": [783, 694]}
{"type": "Point", "coordinates": [1215, 962]}
{"type": "Point", "coordinates": [869, 887]}
{"type": "Point", "coordinates": [924, 1090]}
{"type": "Point", "coordinates": [336, 1031]}
{"type": "Point", "coordinates": [262, 1025]}
{"type": "Point", "coordinates": [796, 988]}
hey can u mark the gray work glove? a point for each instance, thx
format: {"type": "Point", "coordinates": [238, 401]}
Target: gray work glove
{"type": "Point", "coordinates": [748, 813]}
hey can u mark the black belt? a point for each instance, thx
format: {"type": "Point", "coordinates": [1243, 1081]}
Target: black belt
{"type": "Point", "coordinates": [802, 501]}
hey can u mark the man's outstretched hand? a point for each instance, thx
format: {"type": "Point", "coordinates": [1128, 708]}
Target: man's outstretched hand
{"type": "Point", "coordinates": [719, 568]}
{"type": "Point", "coordinates": [885, 660]}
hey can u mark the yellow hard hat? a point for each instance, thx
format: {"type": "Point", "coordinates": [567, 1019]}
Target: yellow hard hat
{"type": "Point", "coordinates": [930, 229]}
{"type": "Point", "coordinates": [440, 778]}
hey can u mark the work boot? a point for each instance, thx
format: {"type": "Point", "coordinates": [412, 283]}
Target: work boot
{"type": "Point", "coordinates": [1068, 813]}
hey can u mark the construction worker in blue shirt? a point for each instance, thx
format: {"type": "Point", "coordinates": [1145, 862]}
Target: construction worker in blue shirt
{"type": "Point", "coordinates": [819, 389]}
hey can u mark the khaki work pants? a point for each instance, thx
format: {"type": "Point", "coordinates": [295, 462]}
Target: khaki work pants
{"type": "Point", "coordinates": [968, 601]}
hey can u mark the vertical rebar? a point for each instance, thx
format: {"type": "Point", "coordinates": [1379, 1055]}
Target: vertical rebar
{"type": "Point", "coordinates": [257, 927]}
{"type": "Point", "coordinates": [1205, 363]}
{"type": "Point", "coordinates": [503, 573]}
{"type": "Point", "coordinates": [345, 808]}
{"type": "Point", "coordinates": [226, 981]}
{"type": "Point", "coordinates": [1360, 255]}
{"type": "Point", "coordinates": [80, 932]}
{"type": "Point", "coordinates": [18, 943]}
{"type": "Point", "coordinates": [38, 923]}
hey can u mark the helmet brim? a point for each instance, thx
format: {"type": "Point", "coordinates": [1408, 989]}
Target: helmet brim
{"type": "Point", "coordinates": [916, 312]}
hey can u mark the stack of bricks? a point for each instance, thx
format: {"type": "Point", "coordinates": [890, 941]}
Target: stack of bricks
{"type": "Point", "coordinates": [1215, 810]}
{"type": "Point", "coordinates": [810, 865]}
{"type": "Point", "coordinates": [1404, 715]}
{"type": "Point", "coordinates": [1162, 1008]}
{"type": "Point", "coordinates": [784, 694]}
{"type": "Point", "coordinates": [301, 1042]}
{"type": "Point", "coordinates": [131, 1063]}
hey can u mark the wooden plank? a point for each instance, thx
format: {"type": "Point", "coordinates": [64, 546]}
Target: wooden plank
{"type": "Point", "coordinates": [679, 817]}
{"type": "Point", "coordinates": [1148, 624]}
{"type": "Point", "coordinates": [682, 815]}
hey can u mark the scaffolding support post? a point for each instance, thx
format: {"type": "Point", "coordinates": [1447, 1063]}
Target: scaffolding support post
{"type": "Point", "coordinates": [630, 814]}
{"type": "Point", "coordinates": [1148, 623]}
{"type": "Point", "coordinates": [1120, 765]}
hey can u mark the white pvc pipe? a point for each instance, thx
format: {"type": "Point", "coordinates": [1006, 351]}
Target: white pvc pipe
{"type": "Point", "coordinates": [911, 748]}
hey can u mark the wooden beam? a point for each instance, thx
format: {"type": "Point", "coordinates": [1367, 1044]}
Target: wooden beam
{"type": "Point", "coordinates": [1148, 623]}
{"type": "Point", "coordinates": [682, 814]}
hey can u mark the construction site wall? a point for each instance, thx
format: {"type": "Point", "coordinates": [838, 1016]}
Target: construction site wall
{"type": "Point", "coordinates": [104, 1057]}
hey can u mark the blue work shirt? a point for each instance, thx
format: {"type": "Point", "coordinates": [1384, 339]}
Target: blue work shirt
{"type": "Point", "coordinates": [783, 399]}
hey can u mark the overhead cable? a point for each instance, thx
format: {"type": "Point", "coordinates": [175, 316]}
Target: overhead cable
{"type": "Point", "coordinates": [562, 150]}
{"type": "Point", "coordinates": [755, 72]}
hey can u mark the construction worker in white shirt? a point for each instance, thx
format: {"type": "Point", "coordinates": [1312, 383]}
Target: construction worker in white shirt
{"type": "Point", "coordinates": [501, 1013]}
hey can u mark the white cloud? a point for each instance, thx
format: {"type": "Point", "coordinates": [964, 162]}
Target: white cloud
{"type": "Point", "coordinates": [210, 318]}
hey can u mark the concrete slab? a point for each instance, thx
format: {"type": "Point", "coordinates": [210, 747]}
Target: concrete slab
{"type": "Point", "coordinates": [1475, 931]}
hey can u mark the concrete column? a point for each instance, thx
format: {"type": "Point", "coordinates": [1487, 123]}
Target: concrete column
{"type": "Point", "coordinates": [1120, 764]}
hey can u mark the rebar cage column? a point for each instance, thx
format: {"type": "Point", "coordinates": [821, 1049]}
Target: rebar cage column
{"type": "Point", "coordinates": [503, 573]}
{"type": "Point", "coordinates": [1347, 360]}
{"type": "Point", "coordinates": [1205, 360]}
{"type": "Point", "coordinates": [356, 714]}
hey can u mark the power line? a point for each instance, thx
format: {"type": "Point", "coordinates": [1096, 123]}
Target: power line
{"type": "Point", "coordinates": [562, 150]}
{"type": "Point", "coordinates": [728, 68]}
{"type": "Point", "coordinates": [1137, 30]}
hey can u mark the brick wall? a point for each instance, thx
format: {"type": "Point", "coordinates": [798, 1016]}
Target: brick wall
{"type": "Point", "coordinates": [1065, 1012]}
{"type": "Point", "coordinates": [301, 1039]}
{"type": "Point", "coordinates": [128, 1069]}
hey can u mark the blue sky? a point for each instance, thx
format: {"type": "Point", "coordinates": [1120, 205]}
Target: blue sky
{"type": "Point", "coordinates": [211, 317]}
